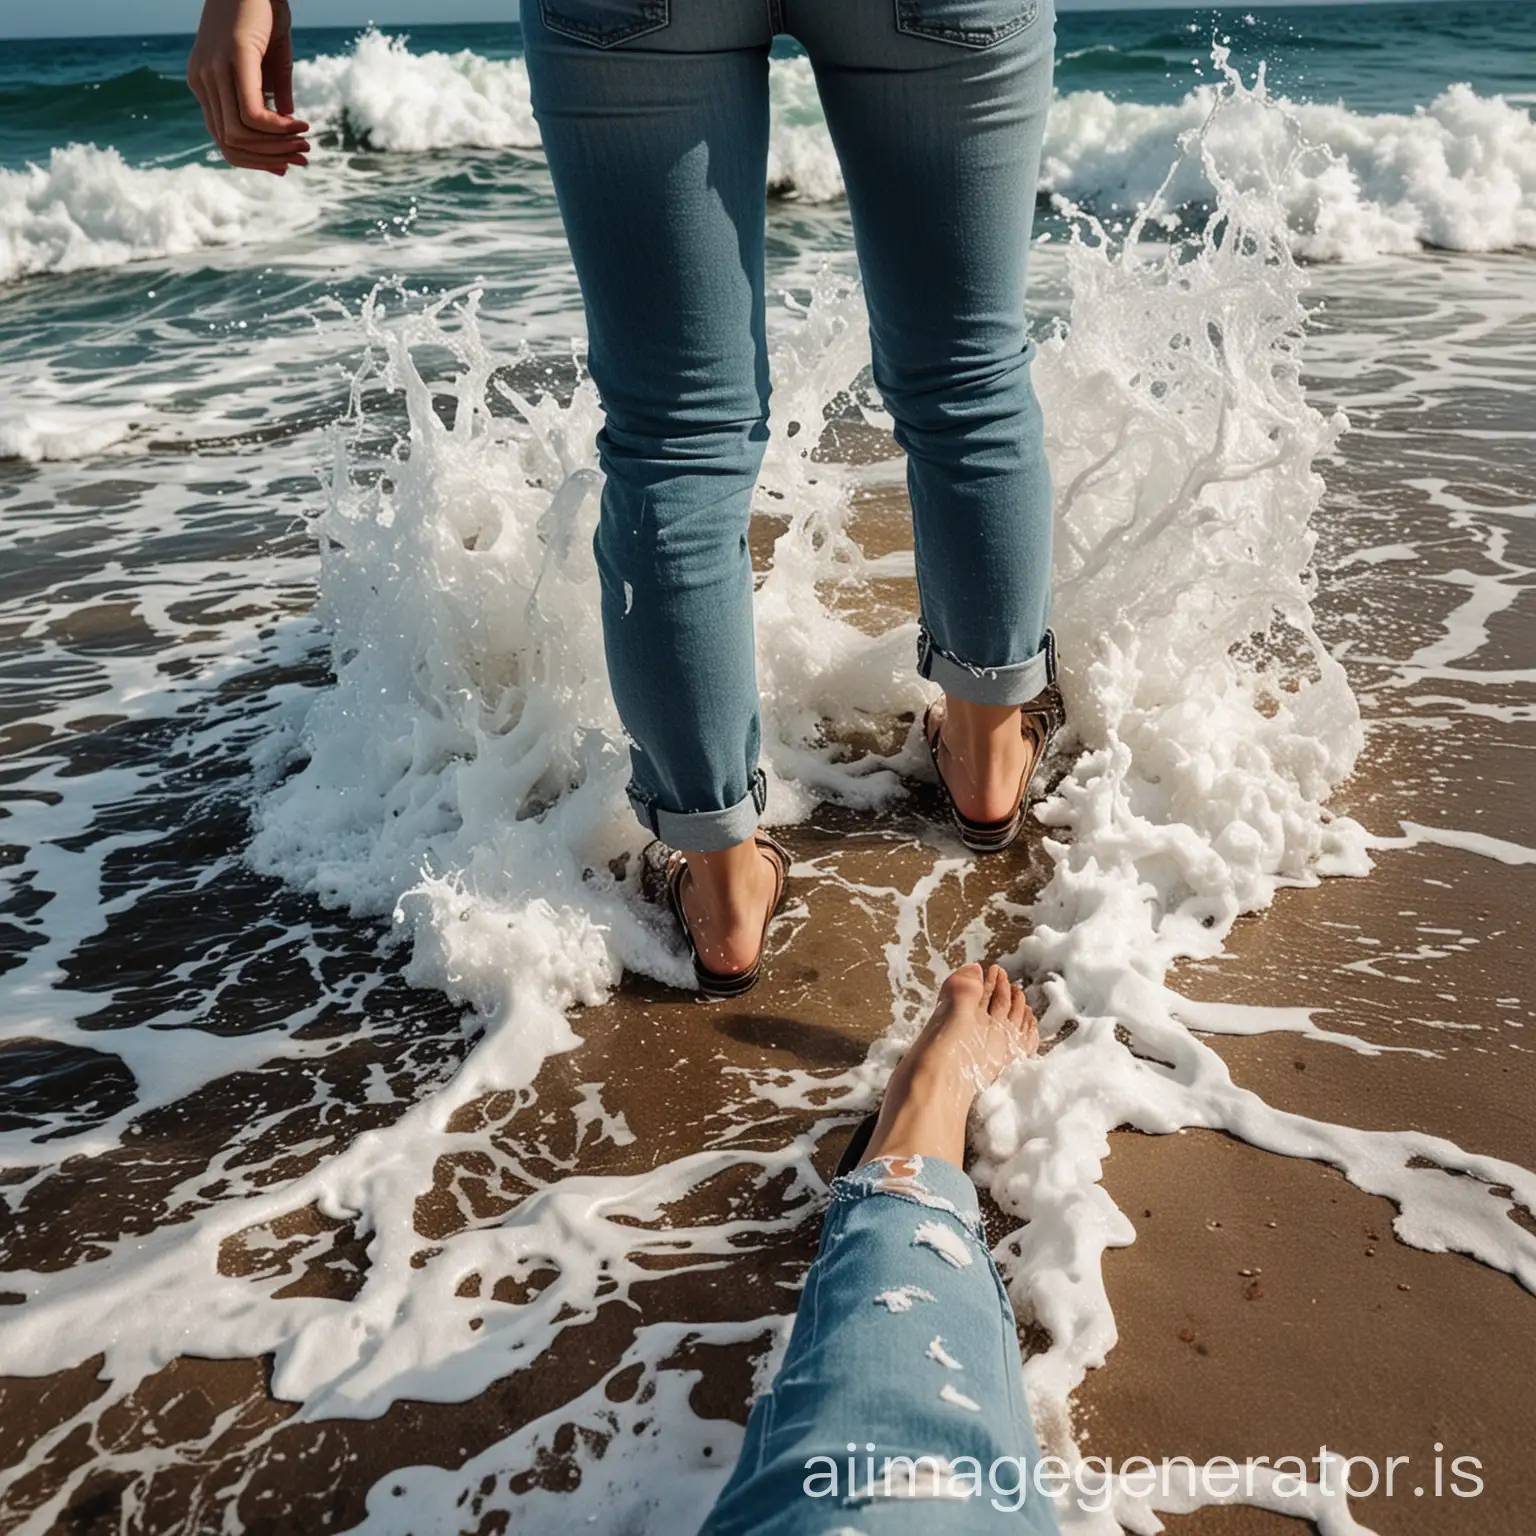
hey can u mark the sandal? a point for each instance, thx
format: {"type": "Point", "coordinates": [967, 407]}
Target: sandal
{"type": "Point", "coordinates": [717, 984]}
{"type": "Point", "coordinates": [1040, 724]}
{"type": "Point", "coordinates": [1039, 720]}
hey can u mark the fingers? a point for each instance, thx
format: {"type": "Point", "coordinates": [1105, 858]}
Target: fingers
{"type": "Point", "coordinates": [245, 162]}
{"type": "Point", "coordinates": [207, 111]}
{"type": "Point", "coordinates": [256, 149]}
{"type": "Point", "coordinates": [277, 75]}
{"type": "Point", "coordinates": [254, 114]}
{"type": "Point", "coordinates": [208, 99]}
{"type": "Point", "coordinates": [229, 74]}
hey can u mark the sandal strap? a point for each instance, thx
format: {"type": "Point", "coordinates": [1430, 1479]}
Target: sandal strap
{"type": "Point", "coordinates": [728, 983]}
{"type": "Point", "coordinates": [1041, 721]}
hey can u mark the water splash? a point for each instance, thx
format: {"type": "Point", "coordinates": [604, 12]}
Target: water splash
{"type": "Point", "coordinates": [1211, 724]}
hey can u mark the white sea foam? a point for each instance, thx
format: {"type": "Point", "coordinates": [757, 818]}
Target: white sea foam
{"type": "Point", "coordinates": [88, 208]}
{"type": "Point", "coordinates": [1211, 723]}
{"type": "Point", "coordinates": [1458, 173]}
{"type": "Point", "coordinates": [393, 99]}
{"type": "Point", "coordinates": [61, 432]}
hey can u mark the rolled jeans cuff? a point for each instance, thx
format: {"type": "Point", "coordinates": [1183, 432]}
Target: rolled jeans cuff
{"type": "Point", "coordinates": [929, 1181]}
{"type": "Point", "coordinates": [704, 831]}
{"type": "Point", "coordinates": [1015, 682]}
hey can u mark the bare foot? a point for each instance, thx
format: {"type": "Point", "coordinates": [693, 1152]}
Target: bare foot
{"type": "Point", "coordinates": [983, 755]}
{"type": "Point", "coordinates": [981, 1024]}
{"type": "Point", "coordinates": [726, 897]}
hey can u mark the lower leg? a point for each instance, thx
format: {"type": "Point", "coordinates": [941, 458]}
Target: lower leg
{"type": "Point", "coordinates": [678, 351]}
{"type": "Point", "coordinates": [904, 1343]}
{"type": "Point", "coordinates": [951, 351]}
{"type": "Point", "coordinates": [726, 896]}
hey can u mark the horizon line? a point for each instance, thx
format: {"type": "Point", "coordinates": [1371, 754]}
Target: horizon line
{"type": "Point", "coordinates": [1063, 7]}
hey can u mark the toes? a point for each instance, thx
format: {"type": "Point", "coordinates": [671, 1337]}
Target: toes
{"type": "Point", "coordinates": [1022, 1017]}
{"type": "Point", "coordinates": [1029, 1032]}
{"type": "Point", "coordinates": [997, 991]}
{"type": "Point", "coordinates": [1017, 1007]}
{"type": "Point", "coordinates": [965, 984]}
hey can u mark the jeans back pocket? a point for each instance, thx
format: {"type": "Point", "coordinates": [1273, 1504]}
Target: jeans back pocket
{"type": "Point", "coordinates": [966, 23]}
{"type": "Point", "coordinates": [604, 23]}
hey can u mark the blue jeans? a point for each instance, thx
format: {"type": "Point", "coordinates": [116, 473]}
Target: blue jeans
{"type": "Point", "coordinates": [654, 116]}
{"type": "Point", "coordinates": [903, 1348]}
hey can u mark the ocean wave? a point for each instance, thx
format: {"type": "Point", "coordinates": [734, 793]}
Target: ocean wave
{"type": "Point", "coordinates": [1106, 59]}
{"type": "Point", "coordinates": [1459, 174]}
{"type": "Point", "coordinates": [385, 97]}
{"type": "Point", "coordinates": [89, 208]}
{"type": "Point", "coordinates": [86, 103]}
{"type": "Point", "coordinates": [60, 432]}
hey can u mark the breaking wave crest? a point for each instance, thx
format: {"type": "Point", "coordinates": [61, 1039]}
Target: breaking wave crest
{"type": "Point", "coordinates": [88, 208]}
{"type": "Point", "coordinates": [1458, 174]}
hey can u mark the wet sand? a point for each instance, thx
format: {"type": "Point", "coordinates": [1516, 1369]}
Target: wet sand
{"type": "Point", "coordinates": [1264, 1308]}
{"type": "Point", "coordinates": [1339, 1335]}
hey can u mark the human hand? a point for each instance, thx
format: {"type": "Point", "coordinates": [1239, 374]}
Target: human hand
{"type": "Point", "coordinates": [244, 52]}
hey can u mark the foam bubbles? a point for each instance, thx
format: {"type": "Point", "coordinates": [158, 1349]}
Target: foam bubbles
{"type": "Point", "coordinates": [393, 99]}
{"type": "Point", "coordinates": [1457, 174]}
{"type": "Point", "coordinates": [61, 432]}
{"type": "Point", "coordinates": [88, 208]}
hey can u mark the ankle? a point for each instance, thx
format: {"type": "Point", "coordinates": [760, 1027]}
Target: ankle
{"type": "Point", "coordinates": [726, 906]}
{"type": "Point", "coordinates": [978, 733]}
{"type": "Point", "coordinates": [934, 1077]}
{"type": "Point", "coordinates": [914, 1120]}
{"type": "Point", "coordinates": [726, 887]}
{"type": "Point", "coordinates": [724, 869]}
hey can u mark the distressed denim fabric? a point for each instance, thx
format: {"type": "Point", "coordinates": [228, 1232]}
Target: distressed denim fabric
{"type": "Point", "coordinates": [904, 1346]}
{"type": "Point", "coordinates": [654, 116]}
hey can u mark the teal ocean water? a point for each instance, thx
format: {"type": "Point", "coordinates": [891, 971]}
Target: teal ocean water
{"type": "Point", "coordinates": [129, 91]}
{"type": "Point", "coordinates": [429, 168]}
{"type": "Point", "coordinates": [315, 868]}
